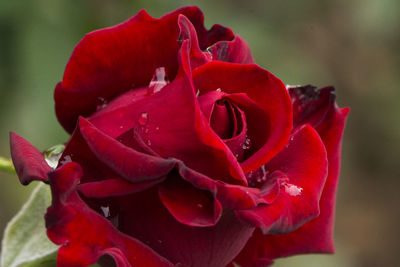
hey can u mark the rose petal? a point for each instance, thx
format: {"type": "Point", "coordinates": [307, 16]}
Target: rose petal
{"type": "Point", "coordinates": [298, 200]}
{"type": "Point", "coordinates": [69, 219]}
{"type": "Point", "coordinates": [235, 51]}
{"type": "Point", "coordinates": [188, 204]}
{"type": "Point", "coordinates": [110, 61]}
{"type": "Point", "coordinates": [175, 128]}
{"type": "Point", "coordinates": [149, 221]}
{"type": "Point", "coordinates": [261, 86]}
{"type": "Point", "coordinates": [114, 187]}
{"type": "Point", "coordinates": [130, 164]}
{"type": "Point", "coordinates": [230, 196]}
{"type": "Point", "coordinates": [315, 236]}
{"type": "Point", "coordinates": [188, 32]}
{"type": "Point", "coordinates": [311, 105]}
{"type": "Point", "coordinates": [29, 163]}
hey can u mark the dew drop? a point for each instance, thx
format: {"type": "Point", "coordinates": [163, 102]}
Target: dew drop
{"type": "Point", "coordinates": [218, 90]}
{"type": "Point", "coordinates": [247, 144]}
{"type": "Point", "coordinates": [157, 128]}
{"type": "Point", "coordinates": [146, 130]}
{"type": "Point", "coordinates": [200, 206]}
{"type": "Point", "coordinates": [65, 160]}
{"type": "Point", "coordinates": [293, 190]}
{"type": "Point", "coordinates": [101, 103]}
{"type": "Point", "coordinates": [159, 80]}
{"type": "Point", "coordinates": [106, 211]}
{"type": "Point", "coordinates": [197, 93]}
{"type": "Point", "coordinates": [144, 118]}
{"type": "Point", "coordinates": [149, 142]}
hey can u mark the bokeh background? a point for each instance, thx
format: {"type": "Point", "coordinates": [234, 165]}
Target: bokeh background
{"type": "Point", "coordinates": [353, 45]}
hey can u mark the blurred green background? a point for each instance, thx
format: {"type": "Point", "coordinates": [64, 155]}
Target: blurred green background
{"type": "Point", "coordinates": [352, 45]}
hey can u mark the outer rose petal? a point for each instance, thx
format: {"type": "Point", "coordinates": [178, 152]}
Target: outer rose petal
{"type": "Point", "coordinates": [183, 245]}
{"type": "Point", "coordinates": [111, 61]}
{"type": "Point", "coordinates": [69, 219]}
{"type": "Point", "coordinates": [266, 90]}
{"type": "Point", "coordinates": [235, 51]}
{"type": "Point", "coordinates": [304, 163]}
{"type": "Point", "coordinates": [28, 161]}
{"type": "Point", "coordinates": [188, 32]}
{"type": "Point", "coordinates": [315, 236]}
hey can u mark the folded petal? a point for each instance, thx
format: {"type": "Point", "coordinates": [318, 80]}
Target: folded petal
{"type": "Point", "coordinates": [175, 128]}
{"type": "Point", "coordinates": [235, 51]}
{"type": "Point", "coordinates": [130, 164]}
{"type": "Point", "coordinates": [113, 60]}
{"type": "Point", "coordinates": [303, 165]}
{"type": "Point", "coordinates": [114, 187]}
{"type": "Point", "coordinates": [29, 163]}
{"type": "Point", "coordinates": [188, 32]}
{"type": "Point", "coordinates": [316, 236]}
{"type": "Point", "coordinates": [69, 219]}
{"type": "Point", "coordinates": [262, 87]}
{"type": "Point", "coordinates": [310, 106]}
{"type": "Point", "coordinates": [146, 218]}
{"type": "Point", "coordinates": [230, 196]}
{"type": "Point", "coordinates": [189, 205]}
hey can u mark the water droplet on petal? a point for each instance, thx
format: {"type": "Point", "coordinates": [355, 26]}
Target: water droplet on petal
{"type": "Point", "coordinates": [208, 54]}
{"type": "Point", "coordinates": [149, 142]}
{"type": "Point", "coordinates": [197, 92]}
{"type": "Point", "coordinates": [101, 103]}
{"type": "Point", "coordinates": [293, 190]}
{"type": "Point", "coordinates": [106, 211]}
{"type": "Point", "coordinates": [218, 90]}
{"type": "Point", "coordinates": [65, 160]}
{"type": "Point", "coordinates": [144, 118]}
{"type": "Point", "coordinates": [157, 128]}
{"type": "Point", "coordinates": [159, 241]}
{"type": "Point", "coordinates": [200, 206]}
{"type": "Point", "coordinates": [247, 144]}
{"type": "Point", "coordinates": [159, 80]}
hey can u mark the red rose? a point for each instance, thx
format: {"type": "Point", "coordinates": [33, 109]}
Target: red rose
{"type": "Point", "coordinates": [184, 152]}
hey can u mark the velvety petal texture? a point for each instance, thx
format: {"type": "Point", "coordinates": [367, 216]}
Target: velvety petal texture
{"type": "Point", "coordinates": [111, 61]}
{"type": "Point", "coordinates": [316, 236]}
{"type": "Point", "coordinates": [183, 152]}
{"type": "Point", "coordinates": [29, 163]}
{"type": "Point", "coordinates": [69, 219]}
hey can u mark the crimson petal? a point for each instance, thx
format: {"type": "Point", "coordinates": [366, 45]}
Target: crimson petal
{"type": "Point", "coordinates": [315, 236]}
{"type": "Point", "coordinates": [188, 204]}
{"type": "Point", "coordinates": [111, 61]}
{"type": "Point", "coordinates": [182, 244]}
{"type": "Point", "coordinates": [28, 161]}
{"type": "Point", "coordinates": [235, 51]}
{"type": "Point", "coordinates": [114, 187]}
{"type": "Point", "coordinates": [298, 200]}
{"type": "Point", "coordinates": [188, 32]}
{"type": "Point", "coordinates": [69, 218]}
{"type": "Point", "coordinates": [130, 164]}
{"type": "Point", "coordinates": [261, 86]}
{"type": "Point", "coordinates": [175, 128]}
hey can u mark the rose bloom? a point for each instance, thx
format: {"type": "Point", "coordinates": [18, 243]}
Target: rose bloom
{"type": "Point", "coordinates": [183, 152]}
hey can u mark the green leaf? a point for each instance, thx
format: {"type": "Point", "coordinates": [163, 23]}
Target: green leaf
{"type": "Point", "coordinates": [25, 243]}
